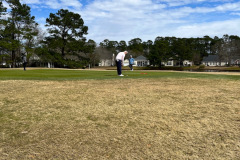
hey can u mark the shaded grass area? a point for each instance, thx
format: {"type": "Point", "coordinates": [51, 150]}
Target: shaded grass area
{"type": "Point", "coordinates": [157, 118]}
{"type": "Point", "coordinates": [61, 74]}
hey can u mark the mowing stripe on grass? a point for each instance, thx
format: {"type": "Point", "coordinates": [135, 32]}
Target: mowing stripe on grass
{"type": "Point", "coordinates": [64, 74]}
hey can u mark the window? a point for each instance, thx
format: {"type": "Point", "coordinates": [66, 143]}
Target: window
{"type": "Point", "coordinates": [169, 63]}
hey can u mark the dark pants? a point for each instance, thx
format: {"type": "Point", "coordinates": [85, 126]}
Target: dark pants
{"type": "Point", "coordinates": [119, 67]}
{"type": "Point", "coordinates": [24, 65]}
{"type": "Point", "coordinates": [131, 66]}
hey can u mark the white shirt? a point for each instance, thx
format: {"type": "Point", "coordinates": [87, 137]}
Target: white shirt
{"type": "Point", "coordinates": [120, 56]}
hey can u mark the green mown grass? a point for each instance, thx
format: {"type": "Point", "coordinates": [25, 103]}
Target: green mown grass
{"type": "Point", "coordinates": [64, 74]}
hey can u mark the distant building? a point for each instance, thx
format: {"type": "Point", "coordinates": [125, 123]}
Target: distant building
{"type": "Point", "coordinates": [107, 61]}
{"type": "Point", "coordinates": [170, 62]}
{"type": "Point", "coordinates": [173, 62]}
{"type": "Point", "coordinates": [126, 62]}
{"type": "Point", "coordinates": [187, 63]}
{"type": "Point", "coordinates": [213, 60]}
{"type": "Point", "coordinates": [141, 61]}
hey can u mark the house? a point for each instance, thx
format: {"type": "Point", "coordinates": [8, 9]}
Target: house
{"type": "Point", "coordinates": [106, 62]}
{"type": "Point", "coordinates": [141, 61]}
{"type": "Point", "coordinates": [213, 60]}
{"type": "Point", "coordinates": [187, 63]}
{"type": "Point", "coordinates": [170, 62]}
{"type": "Point", "coordinates": [126, 62]}
{"type": "Point", "coordinates": [237, 62]}
{"type": "Point", "coordinates": [3, 59]}
{"type": "Point", "coordinates": [173, 62]}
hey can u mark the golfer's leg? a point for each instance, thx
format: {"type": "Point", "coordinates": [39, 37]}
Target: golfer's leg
{"type": "Point", "coordinates": [119, 67]}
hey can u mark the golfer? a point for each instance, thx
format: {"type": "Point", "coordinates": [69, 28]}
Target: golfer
{"type": "Point", "coordinates": [119, 61]}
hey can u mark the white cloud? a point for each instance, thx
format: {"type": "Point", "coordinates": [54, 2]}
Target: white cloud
{"type": "Point", "coordinates": [122, 19]}
{"type": "Point", "coordinates": [228, 6]}
{"type": "Point", "coordinates": [236, 13]}
{"type": "Point", "coordinates": [30, 1]}
{"type": "Point", "coordinates": [5, 4]}
{"type": "Point", "coordinates": [175, 3]}
{"type": "Point", "coordinates": [147, 19]}
{"type": "Point", "coordinates": [211, 29]}
{"type": "Point", "coordinates": [71, 3]}
{"type": "Point", "coordinates": [54, 4]}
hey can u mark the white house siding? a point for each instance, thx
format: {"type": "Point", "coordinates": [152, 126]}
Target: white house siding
{"type": "Point", "coordinates": [126, 63]}
{"type": "Point", "coordinates": [213, 63]}
{"type": "Point", "coordinates": [187, 63]}
{"type": "Point", "coordinates": [212, 60]}
{"type": "Point", "coordinates": [106, 62]}
{"type": "Point", "coordinates": [141, 61]}
{"type": "Point", "coordinates": [237, 62]}
{"type": "Point", "coordinates": [168, 63]}
{"type": "Point", "coordinates": [3, 64]}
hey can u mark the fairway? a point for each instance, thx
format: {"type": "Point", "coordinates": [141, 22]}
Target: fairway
{"type": "Point", "coordinates": [68, 74]}
{"type": "Point", "coordinates": [84, 114]}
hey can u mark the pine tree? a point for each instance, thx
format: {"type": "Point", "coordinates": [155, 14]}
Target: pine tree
{"type": "Point", "coordinates": [66, 29]}
{"type": "Point", "coordinates": [17, 28]}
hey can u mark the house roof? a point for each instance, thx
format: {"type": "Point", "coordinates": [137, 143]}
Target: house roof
{"type": "Point", "coordinates": [140, 58]}
{"type": "Point", "coordinates": [215, 58]}
{"type": "Point", "coordinates": [211, 58]}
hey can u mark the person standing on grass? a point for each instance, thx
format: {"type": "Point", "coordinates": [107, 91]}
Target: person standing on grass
{"type": "Point", "coordinates": [119, 61]}
{"type": "Point", "coordinates": [24, 58]}
{"type": "Point", "coordinates": [131, 62]}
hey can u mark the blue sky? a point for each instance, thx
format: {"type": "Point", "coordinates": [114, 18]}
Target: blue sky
{"type": "Point", "coordinates": [146, 19]}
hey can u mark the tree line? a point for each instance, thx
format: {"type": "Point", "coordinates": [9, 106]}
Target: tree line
{"type": "Point", "coordinates": [64, 44]}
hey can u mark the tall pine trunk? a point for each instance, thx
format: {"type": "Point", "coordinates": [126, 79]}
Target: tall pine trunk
{"type": "Point", "coordinates": [13, 53]}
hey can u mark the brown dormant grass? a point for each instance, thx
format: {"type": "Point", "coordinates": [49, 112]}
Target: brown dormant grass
{"type": "Point", "coordinates": [120, 119]}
